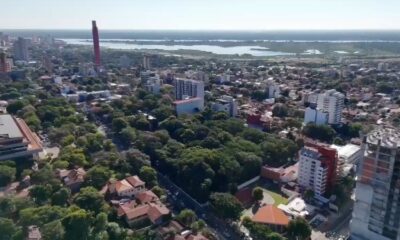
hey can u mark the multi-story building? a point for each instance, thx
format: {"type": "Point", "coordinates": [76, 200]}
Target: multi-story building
{"type": "Point", "coordinates": [314, 115]}
{"type": "Point", "coordinates": [376, 213]}
{"type": "Point", "coordinates": [186, 88]}
{"type": "Point", "coordinates": [153, 84]}
{"type": "Point", "coordinates": [317, 167]}
{"type": "Point", "coordinates": [21, 51]}
{"type": "Point", "coordinates": [146, 62]}
{"type": "Point", "coordinates": [226, 104]}
{"type": "Point", "coordinates": [16, 139]}
{"type": "Point", "coordinates": [273, 89]}
{"type": "Point", "coordinates": [331, 102]}
{"type": "Point", "coordinates": [189, 96]}
{"type": "Point", "coordinates": [6, 63]}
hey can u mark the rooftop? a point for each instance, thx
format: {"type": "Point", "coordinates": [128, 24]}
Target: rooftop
{"type": "Point", "coordinates": [386, 137]}
{"type": "Point", "coordinates": [9, 127]}
{"type": "Point", "coordinates": [271, 215]}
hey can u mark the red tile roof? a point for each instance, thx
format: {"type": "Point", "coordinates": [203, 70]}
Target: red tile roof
{"type": "Point", "coordinates": [147, 196]}
{"type": "Point", "coordinates": [271, 215]}
{"type": "Point", "coordinates": [135, 181]}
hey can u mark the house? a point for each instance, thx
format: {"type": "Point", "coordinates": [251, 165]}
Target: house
{"type": "Point", "coordinates": [297, 207]}
{"type": "Point", "coordinates": [146, 214]}
{"type": "Point", "coordinates": [34, 233]}
{"type": "Point", "coordinates": [271, 216]}
{"type": "Point", "coordinates": [127, 187]}
{"type": "Point", "coordinates": [73, 179]}
{"type": "Point", "coordinates": [281, 174]}
{"type": "Point", "coordinates": [146, 197]}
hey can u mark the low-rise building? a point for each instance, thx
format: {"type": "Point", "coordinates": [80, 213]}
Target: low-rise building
{"type": "Point", "coordinates": [225, 104]}
{"type": "Point", "coordinates": [128, 187]}
{"type": "Point", "coordinates": [73, 179]}
{"type": "Point", "coordinates": [16, 139]}
{"type": "Point", "coordinates": [272, 217]}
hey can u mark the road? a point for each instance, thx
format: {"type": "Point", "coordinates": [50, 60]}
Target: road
{"type": "Point", "coordinates": [219, 227]}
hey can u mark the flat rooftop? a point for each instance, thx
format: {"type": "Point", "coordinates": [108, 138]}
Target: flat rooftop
{"type": "Point", "coordinates": [9, 127]}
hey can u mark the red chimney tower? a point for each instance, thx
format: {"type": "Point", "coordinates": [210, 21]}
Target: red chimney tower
{"type": "Point", "coordinates": [96, 44]}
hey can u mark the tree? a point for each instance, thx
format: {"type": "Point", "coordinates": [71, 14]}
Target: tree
{"type": "Point", "coordinates": [158, 191]}
{"type": "Point", "coordinates": [298, 229]}
{"type": "Point", "coordinates": [280, 110]}
{"type": "Point", "coordinates": [226, 206]}
{"type": "Point", "coordinates": [90, 199]}
{"type": "Point", "coordinates": [77, 225]}
{"type": "Point", "coordinates": [118, 124]}
{"type": "Point", "coordinates": [148, 175]}
{"type": "Point", "coordinates": [61, 197]}
{"type": "Point", "coordinates": [320, 132]}
{"type": "Point", "coordinates": [98, 176]}
{"type": "Point", "coordinates": [40, 193]}
{"type": "Point", "coordinates": [186, 217]}
{"type": "Point", "coordinates": [7, 175]}
{"type": "Point", "coordinates": [116, 232]}
{"type": "Point", "coordinates": [100, 223]}
{"type": "Point", "coordinates": [53, 231]}
{"type": "Point", "coordinates": [14, 107]}
{"type": "Point", "coordinates": [257, 194]}
{"type": "Point", "coordinates": [7, 228]}
{"type": "Point", "coordinates": [127, 135]}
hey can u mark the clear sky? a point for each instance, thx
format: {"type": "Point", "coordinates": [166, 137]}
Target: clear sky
{"type": "Point", "coordinates": [201, 14]}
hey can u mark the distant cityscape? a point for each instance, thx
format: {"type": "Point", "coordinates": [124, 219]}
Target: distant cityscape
{"type": "Point", "coordinates": [100, 142]}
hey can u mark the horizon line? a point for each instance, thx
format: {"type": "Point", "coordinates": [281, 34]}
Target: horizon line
{"type": "Point", "coordinates": [200, 30]}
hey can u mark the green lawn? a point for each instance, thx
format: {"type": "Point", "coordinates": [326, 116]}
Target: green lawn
{"type": "Point", "coordinates": [279, 199]}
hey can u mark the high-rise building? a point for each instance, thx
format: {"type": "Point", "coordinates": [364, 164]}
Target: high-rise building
{"type": "Point", "coordinates": [189, 95]}
{"type": "Point", "coordinates": [186, 88]}
{"type": "Point", "coordinates": [272, 89]}
{"type": "Point", "coordinates": [21, 49]}
{"type": "Point", "coordinates": [376, 213]}
{"type": "Point", "coordinates": [6, 63]}
{"type": "Point", "coordinates": [331, 102]}
{"type": "Point", "coordinates": [96, 44]}
{"type": "Point", "coordinates": [317, 167]}
{"type": "Point", "coordinates": [314, 115]}
{"type": "Point", "coordinates": [146, 62]}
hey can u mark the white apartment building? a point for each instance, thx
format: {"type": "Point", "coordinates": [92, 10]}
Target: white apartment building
{"type": "Point", "coordinates": [316, 116]}
{"type": "Point", "coordinates": [331, 102]}
{"type": "Point", "coordinates": [226, 104]}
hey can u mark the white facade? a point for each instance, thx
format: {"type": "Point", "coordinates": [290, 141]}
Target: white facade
{"type": "Point", "coordinates": [273, 89]}
{"type": "Point", "coordinates": [312, 175]}
{"type": "Point", "coordinates": [315, 116]}
{"type": "Point", "coordinates": [189, 106]}
{"type": "Point", "coordinates": [331, 102]}
{"type": "Point", "coordinates": [185, 88]}
{"type": "Point", "coordinates": [153, 84]}
{"type": "Point", "coordinates": [226, 104]}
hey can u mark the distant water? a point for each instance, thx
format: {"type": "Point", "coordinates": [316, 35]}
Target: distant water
{"type": "Point", "coordinates": [252, 50]}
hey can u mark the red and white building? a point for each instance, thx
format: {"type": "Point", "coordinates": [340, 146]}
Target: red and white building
{"type": "Point", "coordinates": [317, 167]}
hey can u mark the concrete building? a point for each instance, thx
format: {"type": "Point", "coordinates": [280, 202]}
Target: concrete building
{"type": "Point", "coordinates": [317, 167]}
{"type": "Point", "coordinates": [21, 51]}
{"type": "Point", "coordinates": [314, 115]}
{"type": "Point", "coordinates": [153, 84]}
{"type": "Point", "coordinates": [189, 95]}
{"type": "Point", "coordinates": [273, 89]}
{"type": "Point", "coordinates": [331, 102]}
{"type": "Point", "coordinates": [6, 64]}
{"type": "Point", "coordinates": [376, 213]}
{"type": "Point", "coordinates": [349, 156]}
{"type": "Point", "coordinates": [16, 139]}
{"type": "Point", "coordinates": [188, 88]}
{"type": "Point", "coordinates": [146, 62]}
{"type": "Point", "coordinates": [189, 106]}
{"type": "Point", "coordinates": [226, 104]}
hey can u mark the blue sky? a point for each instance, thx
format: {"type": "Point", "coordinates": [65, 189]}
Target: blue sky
{"type": "Point", "coordinates": [201, 14]}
